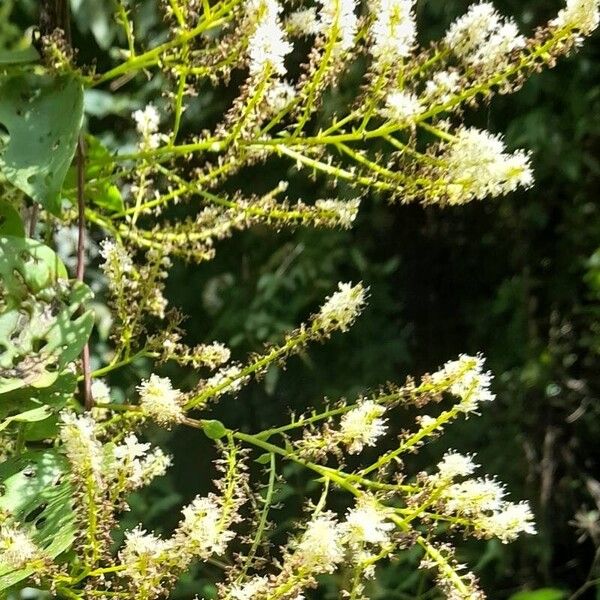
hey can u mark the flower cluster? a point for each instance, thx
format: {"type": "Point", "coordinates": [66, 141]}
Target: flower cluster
{"type": "Point", "coordinates": [476, 165]}
{"type": "Point", "coordinates": [402, 107]}
{"type": "Point", "coordinates": [150, 563]}
{"type": "Point", "coordinates": [466, 379]}
{"type": "Point", "coordinates": [583, 15]}
{"type": "Point", "coordinates": [338, 19]}
{"type": "Point", "coordinates": [160, 401]}
{"type": "Point", "coordinates": [147, 121]}
{"type": "Point", "coordinates": [78, 434]}
{"type": "Point", "coordinates": [394, 31]}
{"type": "Point", "coordinates": [267, 46]}
{"type": "Point", "coordinates": [341, 308]}
{"type": "Point", "coordinates": [362, 426]}
{"type": "Point", "coordinates": [117, 263]}
{"type": "Point", "coordinates": [481, 503]}
{"type": "Point", "coordinates": [324, 545]}
{"type": "Point", "coordinates": [483, 39]}
{"type": "Point", "coordinates": [17, 549]}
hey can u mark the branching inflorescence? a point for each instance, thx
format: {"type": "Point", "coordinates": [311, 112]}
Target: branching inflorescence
{"type": "Point", "coordinates": [403, 138]}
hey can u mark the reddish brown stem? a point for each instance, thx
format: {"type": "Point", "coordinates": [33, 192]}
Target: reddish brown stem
{"type": "Point", "coordinates": [88, 400]}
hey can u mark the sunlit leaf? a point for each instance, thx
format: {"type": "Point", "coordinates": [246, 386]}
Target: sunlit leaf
{"type": "Point", "coordinates": [37, 496]}
{"type": "Point", "coordinates": [52, 399]}
{"type": "Point", "coordinates": [43, 324]}
{"type": "Point", "coordinates": [42, 116]}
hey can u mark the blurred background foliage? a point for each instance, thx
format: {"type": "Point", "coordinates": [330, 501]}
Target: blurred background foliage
{"type": "Point", "coordinates": [517, 279]}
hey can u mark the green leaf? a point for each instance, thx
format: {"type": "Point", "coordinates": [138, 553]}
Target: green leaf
{"type": "Point", "coordinates": [10, 220]}
{"type": "Point", "coordinates": [99, 168]}
{"type": "Point", "coordinates": [264, 459]}
{"type": "Point", "coordinates": [43, 116]}
{"type": "Point", "coordinates": [29, 416]}
{"type": "Point", "coordinates": [104, 194]}
{"type": "Point", "coordinates": [43, 324]}
{"type": "Point", "coordinates": [37, 496]}
{"type": "Point", "coordinates": [53, 399]}
{"type": "Point", "coordinates": [19, 56]}
{"type": "Point", "coordinates": [214, 430]}
{"type": "Point", "coordinates": [541, 594]}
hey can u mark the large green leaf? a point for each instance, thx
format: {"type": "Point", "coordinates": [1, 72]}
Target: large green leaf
{"type": "Point", "coordinates": [43, 324]}
{"type": "Point", "coordinates": [42, 115]}
{"type": "Point", "coordinates": [10, 220]}
{"type": "Point", "coordinates": [19, 56]}
{"type": "Point", "coordinates": [30, 404]}
{"type": "Point", "coordinates": [36, 494]}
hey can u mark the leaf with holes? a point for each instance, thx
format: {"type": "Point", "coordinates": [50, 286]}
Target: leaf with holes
{"type": "Point", "coordinates": [15, 404]}
{"type": "Point", "coordinates": [43, 321]}
{"type": "Point", "coordinates": [42, 116]}
{"type": "Point", "coordinates": [36, 494]}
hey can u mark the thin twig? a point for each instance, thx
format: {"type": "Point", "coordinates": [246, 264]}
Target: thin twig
{"type": "Point", "coordinates": [85, 355]}
{"type": "Point", "coordinates": [33, 216]}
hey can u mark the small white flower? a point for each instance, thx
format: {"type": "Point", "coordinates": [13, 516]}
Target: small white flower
{"type": "Point", "coordinates": [147, 122]}
{"type": "Point", "coordinates": [305, 21]}
{"type": "Point", "coordinates": [508, 522]}
{"type": "Point", "coordinates": [368, 522]}
{"type": "Point", "coordinates": [226, 380]}
{"type": "Point", "coordinates": [83, 449]}
{"type": "Point", "coordinates": [402, 106]}
{"type": "Point", "coordinates": [442, 86]}
{"type": "Point", "coordinates": [583, 15]}
{"type": "Point", "coordinates": [320, 549]}
{"type": "Point", "coordinates": [362, 426]}
{"type": "Point", "coordinates": [394, 30]}
{"type": "Point", "coordinates": [341, 308]}
{"type": "Point", "coordinates": [249, 590]}
{"type": "Point", "coordinates": [100, 391]}
{"type": "Point", "coordinates": [157, 303]}
{"type": "Point", "coordinates": [454, 465]}
{"type": "Point", "coordinates": [160, 401]}
{"type": "Point", "coordinates": [278, 96]}
{"type": "Point", "coordinates": [341, 16]}
{"type": "Point", "coordinates": [130, 449]}
{"type": "Point", "coordinates": [346, 210]}
{"type": "Point", "coordinates": [136, 466]}
{"type": "Point", "coordinates": [16, 548]}
{"type": "Point", "coordinates": [212, 355]}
